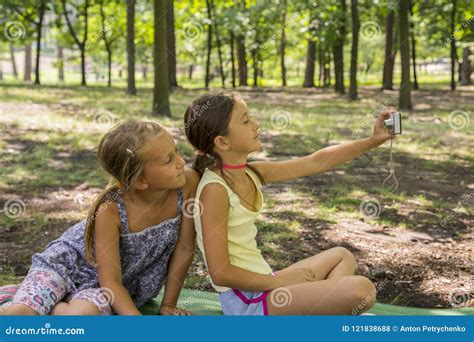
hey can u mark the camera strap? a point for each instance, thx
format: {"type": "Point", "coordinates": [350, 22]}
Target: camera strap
{"type": "Point", "coordinates": [392, 171]}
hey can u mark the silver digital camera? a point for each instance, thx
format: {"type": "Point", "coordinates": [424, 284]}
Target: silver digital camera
{"type": "Point", "coordinates": [394, 123]}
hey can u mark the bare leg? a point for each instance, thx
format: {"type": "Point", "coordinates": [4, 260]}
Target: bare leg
{"type": "Point", "coordinates": [76, 307]}
{"type": "Point", "coordinates": [335, 262]}
{"type": "Point", "coordinates": [336, 296]}
{"type": "Point", "coordinates": [18, 310]}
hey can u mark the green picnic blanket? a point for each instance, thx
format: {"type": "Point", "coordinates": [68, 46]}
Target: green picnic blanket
{"type": "Point", "coordinates": [207, 304]}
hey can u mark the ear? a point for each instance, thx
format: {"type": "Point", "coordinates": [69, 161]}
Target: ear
{"type": "Point", "coordinates": [222, 143]}
{"type": "Point", "coordinates": [141, 184]}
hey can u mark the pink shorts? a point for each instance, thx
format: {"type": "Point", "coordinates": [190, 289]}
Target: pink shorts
{"type": "Point", "coordinates": [41, 290]}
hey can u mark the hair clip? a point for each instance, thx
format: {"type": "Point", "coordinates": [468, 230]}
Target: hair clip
{"type": "Point", "coordinates": [200, 153]}
{"type": "Point", "coordinates": [130, 152]}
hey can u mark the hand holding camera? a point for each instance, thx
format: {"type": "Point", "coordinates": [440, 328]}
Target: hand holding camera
{"type": "Point", "coordinates": [387, 125]}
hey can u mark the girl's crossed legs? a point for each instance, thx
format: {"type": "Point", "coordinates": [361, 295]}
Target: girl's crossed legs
{"type": "Point", "coordinates": [40, 294]}
{"type": "Point", "coordinates": [335, 289]}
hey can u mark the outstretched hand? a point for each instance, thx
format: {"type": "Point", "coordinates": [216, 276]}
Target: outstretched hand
{"type": "Point", "coordinates": [380, 133]}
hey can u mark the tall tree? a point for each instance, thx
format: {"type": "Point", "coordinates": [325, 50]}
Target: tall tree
{"type": "Point", "coordinates": [465, 67]}
{"type": "Point", "coordinates": [389, 60]}
{"type": "Point", "coordinates": [58, 25]}
{"type": "Point", "coordinates": [161, 105]}
{"type": "Point", "coordinates": [321, 65]}
{"type": "Point", "coordinates": [131, 87]}
{"type": "Point", "coordinates": [232, 57]}
{"type": "Point", "coordinates": [60, 62]}
{"type": "Point", "coordinates": [39, 30]}
{"type": "Point", "coordinates": [309, 70]}
{"type": "Point", "coordinates": [171, 43]}
{"type": "Point", "coordinates": [338, 48]}
{"type": "Point", "coordinates": [241, 60]}
{"type": "Point", "coordinates": [33, 12]}
{"type": "Point", "coordinates": [12, 56]}
{"type": "Point", "coordinates": [241, 49]}
{"type": "Point", "coordinates": [354, 49]}
{"type": "Point", "coordinates": [109, 35]}
{"type": "Point", "coordinates": [283, 43]}
{"type": "Point", "coordinates": [453, 44]}
{"type": "Point", "coordinates": [218, 42]}
{"type": "Point", "coordinates": [312, 35]}
{"type": "Point", "coordinates": [209, 46]}
{"type": "Point", "coordinates": [27, 74]}
{"type": "Point", "coordinates": [404, 101]}
{"type": "Point", "coordinates": [413, 46]}
{"type": "Point", "coordinates": [83, 9]}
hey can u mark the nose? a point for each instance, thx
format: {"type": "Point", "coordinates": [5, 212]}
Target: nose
{"type": "Point", "coordinates": [181, 161]}
{"type": "Point", "coordinates": [257, 126]}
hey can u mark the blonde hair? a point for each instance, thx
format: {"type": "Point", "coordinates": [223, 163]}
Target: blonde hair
{"type": "Point", "coordinates": [120, 156]}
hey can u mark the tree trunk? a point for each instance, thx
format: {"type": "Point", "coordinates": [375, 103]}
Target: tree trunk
{"type": "Point", "coordinates": [60, 62]}
{"type": "Point", "coordinates": [27, 76]}
{"type": "Point", "coordinates": [283, 45]}
{"type": "Point", "coordinates": [354, 50]}
{"type": "Point", "coordinates": [404, 101]}
{"type": "Point", "coordinates": [209, 46]}
{"type": "Point", "coordinates": [453, 45]}
{"type": "Point", "coordinates": [255, 66]}
{"type": "Point", "coordinates": [12, 55]}
{"type": "Point", "coordinates": [221, 63]}
{"type": "Point", "coordinates": [465, 67]}
{"type": "Point", "coordinates": [107, 43]}
{"type": "Point", "coordinates": [83, 65]}
{"type": "Point", "coordinates": [109, 65]}
{"type": "Point", "coordinates": [145, 72]}
{"type": "Point", "coordinates": [387, 79]}
{"type": "Point", "coordinates": [219, 50]}
{"type": "Point", "coordinates": [321, 65]}
{"type": "Point", "coordinates": [338, 52]}
{"type": "Point", "coordinates": [241, 60]}
{"type": "Point", "coordinates": [131, 87]}
{"type": "Point", "coordinates": [309, 70]}
{"type": "Point", "coordinates": [190, 71]}
{"type": "Point", "coordinates": [161, 105]}
{"type": "Point", "coordinates": [171, 44]}
{"type": "Point", "coordinates": [39, 30]}
{"type": "Point", "coordinates": [232, 58]}
{"type": "Point", "coordinates": [80, 44]}
{"type": "Point", "coordinates": [413, 48]}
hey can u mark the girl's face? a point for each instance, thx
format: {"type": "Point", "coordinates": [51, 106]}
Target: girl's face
{"type": "Point", "coordinates": [164, 168]}
{"type": "Point", "coordinates": [244, 133]}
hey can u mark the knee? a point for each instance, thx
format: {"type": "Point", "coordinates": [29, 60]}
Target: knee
{"type": "Point", "coordinates": [17, 310]}
{"type": "Point", "coordinates": [60, 309]}
{"type": "Point", "coordinates": [364, 294]}
{"type": "Point", "coordinates": [76, 309]}
{"type": "Point", "coordinates": [345, 254]}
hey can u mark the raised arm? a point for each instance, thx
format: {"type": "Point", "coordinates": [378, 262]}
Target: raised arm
{"type": "Point", "coordinates": [325, 158]}
{"type": "Point", "coordinates": [214, 220]}
{"type": "Point", "coordinates": [107, 256]}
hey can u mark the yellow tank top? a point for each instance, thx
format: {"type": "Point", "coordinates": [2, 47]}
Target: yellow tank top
{"type": "Point", "coordinates": [241, 233]}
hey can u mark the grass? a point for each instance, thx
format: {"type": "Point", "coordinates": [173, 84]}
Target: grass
{"type": "Point", "coordinates": [50, 134]}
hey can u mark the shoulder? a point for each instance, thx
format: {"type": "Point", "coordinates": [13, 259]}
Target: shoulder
{"type": "Point", "coordinates": [215, 193]}
{"type": "Point", "coordinates": [107, 214]}
{"type": "Point", "coordinates": [192, 181]}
